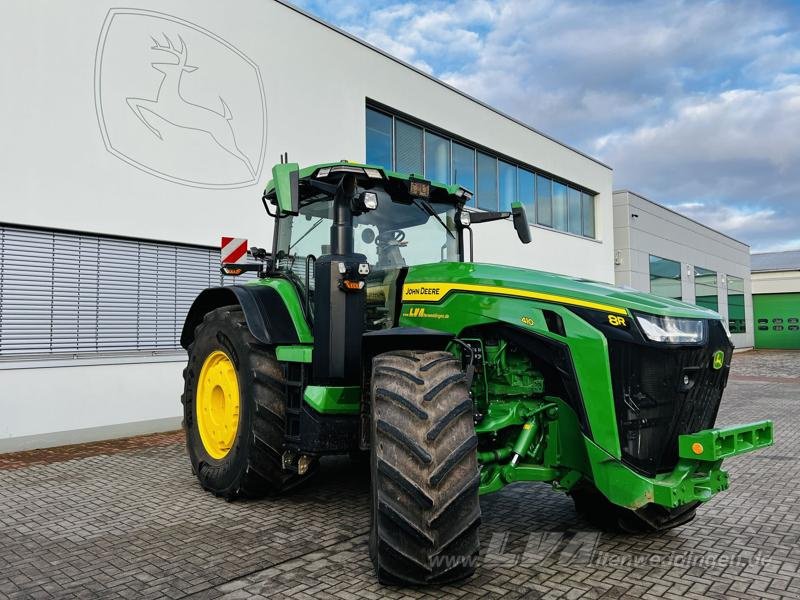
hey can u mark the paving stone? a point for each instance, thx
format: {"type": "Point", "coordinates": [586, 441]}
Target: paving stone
{"type": "Point", "coordinates": [126, 519]}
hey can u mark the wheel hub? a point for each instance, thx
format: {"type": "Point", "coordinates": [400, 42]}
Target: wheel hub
{"type": "Point", "coordinates": [217, 404]}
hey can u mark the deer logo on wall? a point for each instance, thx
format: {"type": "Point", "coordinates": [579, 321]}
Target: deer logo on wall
{"type": "Point", "coordinates": [170, 105]}
{"type": "Point", "coordinates": [198, 120]}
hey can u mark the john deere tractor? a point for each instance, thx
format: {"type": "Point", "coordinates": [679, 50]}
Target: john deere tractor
{"type": "Point", "coordinates": [370, 331]}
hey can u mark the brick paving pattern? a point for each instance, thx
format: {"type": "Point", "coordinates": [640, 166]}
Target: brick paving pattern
{"type": "Point", "coordinates": [18, 460]}
{"type": "Point", "coordinates": [127, 520]}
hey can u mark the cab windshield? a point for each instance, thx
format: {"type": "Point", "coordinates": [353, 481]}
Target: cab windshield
{"type": "Point", "coordinates": [392, 236]}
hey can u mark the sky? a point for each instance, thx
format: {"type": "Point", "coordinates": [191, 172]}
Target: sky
{"type": "Point", "coordinates": [695, 104]}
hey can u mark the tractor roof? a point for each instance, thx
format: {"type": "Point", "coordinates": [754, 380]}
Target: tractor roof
{"type": "Point", "coordinates": [375, 173]}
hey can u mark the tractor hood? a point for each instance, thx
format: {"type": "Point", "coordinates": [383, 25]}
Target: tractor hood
{"type": "Point", "coordinates": [433, 281]}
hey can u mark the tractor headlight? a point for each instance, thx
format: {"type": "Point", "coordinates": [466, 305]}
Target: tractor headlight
{"type": "Point", "coordinates": [364, 201]}
{"type": "Point", "coordinates": [672, 330]}
{"type": "Point", "coordinates": [370, 200]}
{"type": "Point", "coordinates": [464, 218]}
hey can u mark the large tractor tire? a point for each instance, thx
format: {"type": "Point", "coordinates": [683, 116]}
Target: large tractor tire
{"type": "Point", "coordinates": [603, 514]}
{"type": "Point", "coordinates": [233, 409]}
{"type": "Point", "coordinates": [425, 509]}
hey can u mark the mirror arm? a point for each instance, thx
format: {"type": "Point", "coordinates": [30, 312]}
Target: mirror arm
{"type": "Point", "coordinates": [488, 216]}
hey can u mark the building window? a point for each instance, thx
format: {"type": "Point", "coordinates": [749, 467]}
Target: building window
{"type": "Point", "coordinates": [574, 216]}
{"type": "Point", "coordinates": [487, 182]}
{"type": "Point", "coordinates": [464, 166]}
{"type": "Point", "coordinates": [705, 288]}
{"type": "Point", "coordinates": [559, 206]}
{"type": "Point", "coordinates": [437, 157]}
{"type": "Point", "coordinates": [88, 294]}
{"type": "Point", "coordinates": [408, 147]}
{"type": "Point", "coordinates": [507, 184]}
{"type": "Point", "coordinates": [587, 214]}
{"type": "Point", "coordinates": [379, 139]}
{"type": "Point", "coordinates": [544, 201]}
{"type": "Point", "coordinates": [665, 277]}
{"type": "Point", "coordinates": [526, 181]}
{"type": "Point", "coordinates": [736, 314]}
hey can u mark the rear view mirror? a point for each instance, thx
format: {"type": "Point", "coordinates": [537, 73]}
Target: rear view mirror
{"type": "Point", "coordinates": [287, 187]}
{"type": "Point", "coordinates": [521, 222]}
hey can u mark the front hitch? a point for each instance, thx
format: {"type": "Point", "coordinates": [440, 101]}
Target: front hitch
{"type": "Point", "coordinates": [697, 477]}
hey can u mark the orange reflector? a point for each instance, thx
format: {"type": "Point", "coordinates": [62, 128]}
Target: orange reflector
{"type": "Point", "coordinates": [352, 285]}
{"type": "Point", "coordinates": [697, 448]}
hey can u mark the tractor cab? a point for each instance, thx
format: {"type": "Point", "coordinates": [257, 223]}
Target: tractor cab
{"type": "Point", "coordinates": [388, 220]}
{"type": "Point", "coordinates": [345, 227]}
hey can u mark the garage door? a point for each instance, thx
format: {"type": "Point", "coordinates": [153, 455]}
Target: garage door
{"type": "Point", "coordinates": [777, 320]}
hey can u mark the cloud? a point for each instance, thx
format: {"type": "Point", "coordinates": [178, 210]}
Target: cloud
{"type": "Point", "coordinates": [788, 244]}
{"type": "Point", "coordinates": [730, 160]}
{"type": "Point", "coordinates": [432, 37]}
{"type": "Point", "coordinates": [689, 101]}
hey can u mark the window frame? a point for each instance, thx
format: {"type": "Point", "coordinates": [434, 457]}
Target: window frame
{"type": "Point", "coordinates": [396, 115]}
{"type": "Point", "coordinates": [736, 293]}
{"type": "Point", "coordinates": [698, 271]}
{"type": "Point", "coordinates": [679, 279]}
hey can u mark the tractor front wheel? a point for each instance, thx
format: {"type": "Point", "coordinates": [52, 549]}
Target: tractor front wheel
{"type": "Point", "coordinates": [425, 509]}
{"type": "Point", "coordinates": [233, 409]}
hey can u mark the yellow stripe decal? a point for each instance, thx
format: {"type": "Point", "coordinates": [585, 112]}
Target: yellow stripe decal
{"type": "Point", "coordinates": [434, 292]}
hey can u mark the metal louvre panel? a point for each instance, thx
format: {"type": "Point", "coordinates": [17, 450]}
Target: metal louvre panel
{"type": "Point", "coordinates": [70, 293]}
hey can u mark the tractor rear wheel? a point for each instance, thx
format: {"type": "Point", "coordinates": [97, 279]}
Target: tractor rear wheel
{"type": "Point", "coordinates": [233, 409]}
{"type": "Point", "coordinates": [425, 509]}
{"type": "Point", "coordinates": [605, 515]}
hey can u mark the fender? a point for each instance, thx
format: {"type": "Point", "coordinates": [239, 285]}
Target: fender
{"type": "Point", "coordinates": [403, 338]}
{"type": "Point", "coordinates": [272, 311]}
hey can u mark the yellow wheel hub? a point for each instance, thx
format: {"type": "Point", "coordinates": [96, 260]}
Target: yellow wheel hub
{"type": "Point", "coordinates": [217, 404]}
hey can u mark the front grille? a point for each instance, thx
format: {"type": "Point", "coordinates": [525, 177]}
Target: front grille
{"type": "Point", "coordinates": [653, 403]}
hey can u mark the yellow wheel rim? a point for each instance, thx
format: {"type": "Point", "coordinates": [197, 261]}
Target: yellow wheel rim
{"type": "Point", "coordinates": [217, 404]}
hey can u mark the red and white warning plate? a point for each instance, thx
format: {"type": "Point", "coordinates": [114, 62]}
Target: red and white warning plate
{"type": "Point", "coordinates": [233, 250]}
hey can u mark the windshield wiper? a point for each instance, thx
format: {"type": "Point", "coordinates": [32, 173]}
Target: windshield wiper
{"type": "Point", "coordinates": [426, 207]}
{"type": "Point", "coordinates": [310, 229]}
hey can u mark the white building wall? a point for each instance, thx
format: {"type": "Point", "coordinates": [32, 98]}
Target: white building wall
{"type": "Point", "coordinates": [776, 282]}
{"type": "Point", "coordinates": [316, 82]}
{"type": "Point", "coordinates": [656, 230]}
{"type": "Point", "coordinates": [66, 59]}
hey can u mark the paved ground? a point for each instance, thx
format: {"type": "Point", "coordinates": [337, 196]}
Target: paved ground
{"type": "Point", "coordinates": [128, 520]}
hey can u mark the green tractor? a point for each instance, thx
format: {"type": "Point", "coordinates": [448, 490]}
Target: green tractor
{"type": "Point", "coordinates": [370, 331]}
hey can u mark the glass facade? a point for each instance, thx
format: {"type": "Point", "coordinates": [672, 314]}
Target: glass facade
{"type": "Point", "coordinates": [507, 183]}
{"type": "Point", "coordinates": [574, 217]}
{"type": "Point", "coordinates": [463, 166]}
{"type": "Point", "coordinates": [487, 182]}
{"type": "Point", "coordinates": [665, 277]}
{"type": "Point", "coordinates": [587, 214]}
{"type": "Point", "coordinates": [544, 201]}
{"type": "Point", "coordinates": [705, 288]}
{"type": "Point", "coordinates": [379, 138]}
{"type": "Point", "coordinates": [559, 199]}
{"type": "Point", "coordinates": [437, 157]}
{"type": "Point", "coordinates": [526, 188]}
{"type": "Point", "coordinates": [407, 147]}
{"type": "Point", "coordinates": [736, 313]}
